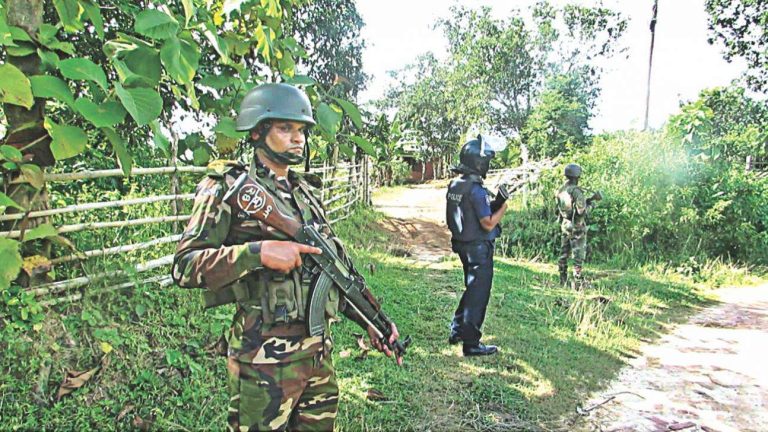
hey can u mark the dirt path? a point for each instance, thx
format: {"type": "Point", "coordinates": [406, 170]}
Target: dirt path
{"type": "Point", "coordinates": [417, 218]}
{"type": "Point", "coordinates": [709, 374]}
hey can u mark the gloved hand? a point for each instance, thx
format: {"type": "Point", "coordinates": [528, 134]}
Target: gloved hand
{"type": "Point", "coordinates": [501, 197]}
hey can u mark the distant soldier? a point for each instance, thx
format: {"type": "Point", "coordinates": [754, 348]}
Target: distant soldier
{"type": "Point", "coordinates": [573, 208]}
{"type": "Point", "coordinates": [474, 223]}
{"type": "Point", "coordinates": [280, 377]}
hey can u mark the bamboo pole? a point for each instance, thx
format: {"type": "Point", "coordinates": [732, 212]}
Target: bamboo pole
{"type": "Point", "coordinates": [332, 211]}
{"type": "Point", "coordinates": [117, 249]}
{"type": "Point", "coordinates": [57, 287]}
{"type": "Point", "coordinates": [349, 193]}
{"type": "Point", "coordinates": [162, 280]}
{"type": "Point", "coordinates": [100, 225]}
{"type": "Point", "coordinates": [94, 206]}
{"type": "Point", "coordinates": [87, 175]}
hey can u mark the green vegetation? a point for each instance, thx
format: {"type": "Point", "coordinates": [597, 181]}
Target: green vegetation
{"type": "Point", "coordinates": [679, 196]}
{"type": "Point", "coordinates": [155, 349]}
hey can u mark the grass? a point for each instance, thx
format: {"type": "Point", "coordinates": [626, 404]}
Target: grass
{"type": "Point", "coordinates": [158, 370]}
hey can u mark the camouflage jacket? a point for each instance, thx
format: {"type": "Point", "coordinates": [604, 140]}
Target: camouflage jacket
{"type": "Point", "coordinates": [572, 207]}
{"type": "Point", "coordinates": [220, 250]}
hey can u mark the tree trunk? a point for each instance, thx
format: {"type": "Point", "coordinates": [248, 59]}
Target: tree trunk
{"type": "Point", "coordinates": [25, 126]}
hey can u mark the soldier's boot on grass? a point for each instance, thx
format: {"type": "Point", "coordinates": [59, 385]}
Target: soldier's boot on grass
{"type": "Point", "coordinates": [578, 279]}
{"type": "Point", "coordinates": [563, 276]}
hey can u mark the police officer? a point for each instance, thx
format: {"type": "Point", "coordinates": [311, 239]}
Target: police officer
{"type": "Point", "coordinates": [279, 376]}
{"type": "Point", "coordinates": [573, 208]}
{"type": "Point", "coordinates": [474, 223]}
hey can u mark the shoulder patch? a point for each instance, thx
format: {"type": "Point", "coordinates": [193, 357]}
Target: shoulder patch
{"type": "Point", "coordinates": [219, 167]}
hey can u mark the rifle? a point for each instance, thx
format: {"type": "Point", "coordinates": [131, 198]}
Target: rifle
{"type": "Point", "coordinates": [249, 195]}
{"type": "Point", "coordinates": [596, 196]}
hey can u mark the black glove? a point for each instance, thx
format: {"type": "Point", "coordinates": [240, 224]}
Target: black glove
{"type": "Point", "coordinates": [501, 197]}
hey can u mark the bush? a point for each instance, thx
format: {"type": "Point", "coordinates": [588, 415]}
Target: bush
{"type": "Point", "coordinates": [662, 203]}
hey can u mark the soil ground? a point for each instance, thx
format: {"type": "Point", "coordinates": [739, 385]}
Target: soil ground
{"type": "Point", "coordinates": [708, 374]}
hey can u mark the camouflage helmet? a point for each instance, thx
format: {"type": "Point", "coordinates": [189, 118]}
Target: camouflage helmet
{"type": "Point", "coordinates": [474, 158]}
{"type": "Point", "coordinates": [273, 101]}
{"type": "Point", "coordinates": [572, 170]}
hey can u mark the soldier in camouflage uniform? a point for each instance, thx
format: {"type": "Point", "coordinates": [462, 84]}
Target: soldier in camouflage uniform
{"type": "Point", "coordinates": [279, 377]}
{"type": "Point", "coordinates": [573, 208]}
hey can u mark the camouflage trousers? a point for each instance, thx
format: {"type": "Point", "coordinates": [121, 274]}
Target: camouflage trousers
{"type": "Point", "coordinates": [574, 243]}
{"type": "Point", "coordinates": [297, 396]}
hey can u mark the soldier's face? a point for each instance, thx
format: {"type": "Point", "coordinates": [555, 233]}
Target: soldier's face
{"type": "Point", "coordinates": [285, 136]}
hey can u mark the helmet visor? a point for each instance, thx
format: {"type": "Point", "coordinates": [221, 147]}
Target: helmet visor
{"type": "Point", "coordinates": [490, 144]}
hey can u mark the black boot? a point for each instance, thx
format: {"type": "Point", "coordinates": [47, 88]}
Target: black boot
{"type": "Point", "coordinates": [454, 338]}
{"type": "Point", "coordinates": [479, 350]}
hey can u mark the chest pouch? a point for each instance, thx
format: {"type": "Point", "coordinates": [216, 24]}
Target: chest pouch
{"type": "Point", "coordinates": [282, 300]}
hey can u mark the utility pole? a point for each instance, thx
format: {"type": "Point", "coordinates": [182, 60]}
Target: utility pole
{"type": "Point", "coordinates": [650, 63]}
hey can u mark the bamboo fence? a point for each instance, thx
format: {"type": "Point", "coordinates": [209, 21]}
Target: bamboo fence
{"type": "Point", "coordinates": [343, 186]}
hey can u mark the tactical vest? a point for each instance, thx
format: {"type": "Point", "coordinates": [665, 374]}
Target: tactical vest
{"type": "Point", "coordinates": [566, 207]}
{"type": "Point", "coordinates": [282, 298]}
{"type": "Point", "coordinates": [460, 214]}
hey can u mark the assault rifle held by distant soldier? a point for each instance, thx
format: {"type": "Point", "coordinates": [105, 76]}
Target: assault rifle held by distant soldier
{"type": "Point", "coordinates": [252, 196]}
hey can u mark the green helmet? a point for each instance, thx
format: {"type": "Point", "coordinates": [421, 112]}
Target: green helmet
{"type": "Point", "coordinates": [572, 170]}
{"type": "Point", "coordinates": [273, 101]}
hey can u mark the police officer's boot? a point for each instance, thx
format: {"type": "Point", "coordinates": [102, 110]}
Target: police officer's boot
{"type": "Point", "coordinates": [479, 350]}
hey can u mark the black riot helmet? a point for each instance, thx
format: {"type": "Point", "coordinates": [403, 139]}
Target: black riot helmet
{"type": "Point", "coordinates": [476, 154]}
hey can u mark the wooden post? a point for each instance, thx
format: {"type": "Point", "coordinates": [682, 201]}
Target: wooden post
{"type": "Point", "coordinates": [749, 163]}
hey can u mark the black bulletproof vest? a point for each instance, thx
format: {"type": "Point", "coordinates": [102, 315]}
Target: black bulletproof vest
{"type": "Point", "coordinates": [460, 215]}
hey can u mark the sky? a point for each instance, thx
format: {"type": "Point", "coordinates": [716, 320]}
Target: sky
{"type": "Point", "coordinates": [397, 31]}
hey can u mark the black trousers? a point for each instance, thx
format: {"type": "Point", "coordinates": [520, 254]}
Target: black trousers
{"type": "Point", "coordinates": [477, 260]}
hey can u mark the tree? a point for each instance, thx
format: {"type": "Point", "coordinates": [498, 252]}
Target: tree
{"type": "Point", "coordinates": [329, 30]}
{"type": "Point", "coordinates": [742, 27]}
{"type": "Point", "coordinates": [124, 73]}
{"type": "Point", "coordinates": [560, 121]}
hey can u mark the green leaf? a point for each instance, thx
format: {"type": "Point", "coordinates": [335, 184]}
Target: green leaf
{"type": "Point", "coordinates": [83, 69]}
{"type": "Point", "coordinates": [352, 112]}
{"type": "Point", "coordinates": [364, 144]}
{"type": "Point", "coordinates": [6, 201]}
{"type": "Point", "coordinates": [15, 87]}
{"type": "Point", "coordinates": [22, 49]}
{"type": "Point", "coordinates": [155, 24]}
{"type": "Point", "coordinates": [33, 174]}
{"type": "Point", "coordinates": [180, 58]}
{"type": "Point", "coordinates": [109, 113]}
{"type": "Point", "coordinates": [67, 141]}
{"type": "Point", "coordinates": [6, 38]}
{"type": "Point", "coordinates": [19, 34]}
{"type": "Point", "coordinates": [227, 126]}
{"type": "Point", "coordinates": [139, 67]}
{"type": "Point", "coordinates": [143, 104]}
{"type": "Point", "coordinates": [50, 59]}
{"type": "Point", "coordinates": [347, 150]}
{"type": "Point", "coordinates": [329, 118]}
{"type": "Point", "coordinates": [287, 65]}
{"type": "Point", "coordinates": [69, 13]}
{"type": "Point", "coordinates": [94, 14]}
{"type": "Point", "coordinates": [11, 153]}
{"type": "Point", "coordinates": [41, 231]}
{"type": "Point", "coordinates": [189, 11]}
{"type": "Point", "coordinates": [124, 158]}
{"type": "Point", "coordinates": [201, 156]}
{"type": "Point", "coordinates": [10, 260]}
{"type": "Point", "coordinates": [51, 87]}
{"type": "Point", "coordinates": [217, 43]}
{"type": "Point", "coordinates": [159, 138]}
{"type": "Point", "coordinates": [301, 80]}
